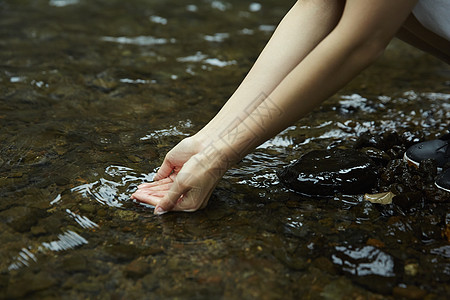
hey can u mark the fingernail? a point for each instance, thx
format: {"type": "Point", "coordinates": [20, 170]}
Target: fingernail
{"type": "Point", "coordinates": [159, 211]}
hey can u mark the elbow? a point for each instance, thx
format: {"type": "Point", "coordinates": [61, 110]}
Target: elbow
{"type": "Point", "coordinates": [368, 51]}
{"type": "Point", "coordinates": [375, 49]}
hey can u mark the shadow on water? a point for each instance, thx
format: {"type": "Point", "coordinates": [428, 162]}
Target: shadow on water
{"type": "Point", "coordinates": [94, 93]}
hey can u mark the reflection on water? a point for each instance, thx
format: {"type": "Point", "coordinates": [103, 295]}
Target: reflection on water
{"type": "Point", "coordinates": [61, 3]}
{"type": "Point", "coordinates": [139, 40]}
{"type": "Point", "coordinates": [364, 261]}
{"type": "Point", "coordinates": [94, 93]}
{"type": "Point", "coordinates": [111, 192]}
{"type": "Point", "coordinates": [23, 259]}
{"type": "Point", "coordinates": [67, 240]}
{"type": "Point", "coordinates": [82, 220]}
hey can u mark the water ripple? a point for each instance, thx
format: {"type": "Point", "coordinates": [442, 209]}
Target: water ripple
{"type": "Point", "coordinates": [82, 220]}
{"type": "Point", "coordinates": [22, 259]}
{"type": "Point", "coordinates": [67, 240]}
{"type": "Point", "coordinates": [139, 40]}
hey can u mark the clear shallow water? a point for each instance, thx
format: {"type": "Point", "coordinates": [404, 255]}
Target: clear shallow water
{"type": "Point", "coordinates": [92, 96]}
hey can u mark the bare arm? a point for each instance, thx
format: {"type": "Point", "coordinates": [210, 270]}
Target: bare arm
{"type": "Point", "coordinates": [361, 35]}
{"type": "Point", "coordinates": [301, 30]}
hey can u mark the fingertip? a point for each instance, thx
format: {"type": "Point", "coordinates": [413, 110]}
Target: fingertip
{"type": "Point", "coordinates": [159, 211]}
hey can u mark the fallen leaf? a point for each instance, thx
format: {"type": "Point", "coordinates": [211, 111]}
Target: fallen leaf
{"type": "Point", "coordinates": [380, 198]}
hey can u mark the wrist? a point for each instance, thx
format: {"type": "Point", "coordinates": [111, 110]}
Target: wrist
{"type": "Point", "coordinates": [215, 159]}
{"type": "Point", "coordinates": [207, 135]}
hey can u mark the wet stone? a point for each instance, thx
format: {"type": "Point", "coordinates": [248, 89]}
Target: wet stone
{"type": "Point", "coordinates": [60, 180]}
{"type": "Point", "coordinates": [88, 208]}
{"type": "Point", "coordinates": [411, 269]}
{"type": "Point", "coordinates": [293, 262]}
{"type": "Point", "coordinates": [134, 158]}
{"type": "Point", "coordinates": [324, 264]}
{"type": "Point", "coordinates": [136, 269]}
{"type": "Point", "coordinates": [123, 252]}
{"type": "Point", "coordinates": [102, 213]}
{"type": "Point", "coordinates": [89, 286]}
{"type": "Point", "coordinates": [377, 284]}
{"type": "Point", "coordinates": [436, 195]}
{"type": "Point", "coordinates": [4, 181]}
{"type": "Point", "coordinates": [367, 266]}
{"type": "Point", "coordinates": [21, 218]}
{"type": "Point", "coordinates": [393, 170]}
{"type": "Point", "coordinates": [385, 141]}
{"type": "Point", "coordinates": [409, 201]}
{"type": "Point", "coordinates": [377, 155]}
{"type": "Point", "coordinates": [73, 281]}
{"type": "Point", "coordinates": [339, 289]}
{"type": "Point", "coordinates": [38, 230]}
{"type": "Point", "coordinates": [29, 283]}
{"type": "Point", "coordinates": [409, 292]}
{"type": "Point", "coordinates": [75, 263]}
{"type": "Point", "coordinates": [127, 215]}
{"type": "Point", "coordinates": [428, 169]}
{"type": "Point", "coordinates": [152, 250]}
{"type": "Point", "coordinates": [15, 175]}
{"type": "Point", "coordinates": [326, 172]}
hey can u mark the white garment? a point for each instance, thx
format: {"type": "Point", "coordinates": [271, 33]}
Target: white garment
{"type": "Point", "coordinates": [434, 15]}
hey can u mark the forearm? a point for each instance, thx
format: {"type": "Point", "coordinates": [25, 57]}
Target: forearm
{"type": "Point", "coordinates": [297, 95]}
{"type": "Point", "coordinates": [300, 31]}
{"type": "Point", "coordinates": [333, 63]}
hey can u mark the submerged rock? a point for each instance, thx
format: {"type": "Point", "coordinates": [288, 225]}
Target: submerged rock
{"type": "Point", "coordinates": [326, 172]}
{"type": "Point", "coordinates": [21, 218]}
{"type": "Point", "coordinates": [368, 266]}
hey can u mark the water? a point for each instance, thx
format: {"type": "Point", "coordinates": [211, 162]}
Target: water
{"type": "Point", "coordinates": [92, 96]}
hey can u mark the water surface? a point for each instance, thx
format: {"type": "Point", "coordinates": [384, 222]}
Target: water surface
{"type": "Point", "coordinates": [92, 96]}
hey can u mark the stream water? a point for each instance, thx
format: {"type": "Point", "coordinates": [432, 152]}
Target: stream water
{"type": "Point", "coordinates": [94, 93]}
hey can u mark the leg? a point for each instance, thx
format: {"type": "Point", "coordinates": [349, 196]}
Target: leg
{"type": "Point", "coordinates": [413, 33]}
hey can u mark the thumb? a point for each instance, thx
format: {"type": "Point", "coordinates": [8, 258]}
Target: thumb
{"type": "Point", "coordinates": [169, 201]}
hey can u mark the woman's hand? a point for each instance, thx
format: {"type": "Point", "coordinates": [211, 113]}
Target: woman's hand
{"type": "Point", "coordinates": [189, 186]}
{"type": "Point", "coordinates": [180, 154]}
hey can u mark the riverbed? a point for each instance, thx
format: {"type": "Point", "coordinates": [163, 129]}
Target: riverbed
{"type": "Point", "coordinates": [94, 93]}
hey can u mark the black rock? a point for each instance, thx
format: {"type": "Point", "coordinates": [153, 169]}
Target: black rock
{"type": "Point", "coordinates": [326, 172]}
{"type": "Point", "coordinates": [384, 141]}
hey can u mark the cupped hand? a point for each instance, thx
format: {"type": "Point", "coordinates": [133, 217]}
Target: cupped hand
{"type": "Point", "coordinates": [175, 158]}
{"type": "Point", "coordinates": [187, 188]}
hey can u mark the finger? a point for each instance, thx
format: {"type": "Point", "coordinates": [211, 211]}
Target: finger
{"type": "Point", "coordinates": [158, 188]}
{"type": "Point", "coordinates": [165, 169]}
{"type": "Point", "coordinates": [149, 200]}
{"type": "Point", "coordinates": [137, 195]}
{"type": "Point", "coordinates": [140, 192]}
{"type": "Point", "coordinates": [155, 183]}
